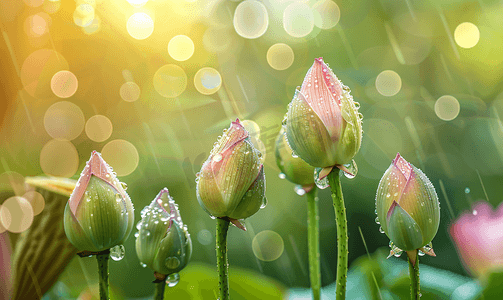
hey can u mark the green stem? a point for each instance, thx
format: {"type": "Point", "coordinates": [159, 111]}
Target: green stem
{"type": "Point", "coordinates": [102, 258]}
{"type": "Point", "coordinates": [342, 233]}
{"type": "Point", "coordinates": [159, 290]}
{"type": "Point", "coordinates": [415, 293]}
{"type": "Point", "coordinates": [313, 239]}
{"type": "Point", "coordinates": [222, 263]}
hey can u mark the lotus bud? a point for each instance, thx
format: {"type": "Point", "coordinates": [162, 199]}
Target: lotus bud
{"type": "Point", "coordinates": [99, 214]}
{"type": "Point", "coordinates": [163, 243]}
{"type": "Point", "coordinates": [231, 183]}
{"type": "Point", "coordinates": [407, 207]}
{"type": "Point", "coordinates": [478, 236]}
{"type": "Point", "coordinates": [293, 168]}
{"type": "Point", "coordinates": [323, 125]}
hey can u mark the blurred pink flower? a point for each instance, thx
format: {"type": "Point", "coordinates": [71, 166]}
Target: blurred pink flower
{"type": "Point", "coordinates": [478, 236]}
{"type": "Point", "coordinates": [5, 267]}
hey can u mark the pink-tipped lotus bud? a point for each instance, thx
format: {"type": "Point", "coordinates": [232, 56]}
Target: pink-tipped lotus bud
{"type": "Point", "coordinates": [99, 214]}
{"type": "Point", "coordinates": [163, 242]}
{"type": "Point", "coordinates": [232, 181]}
{"type": "Point", "coordinates": [407, 206]}
{"type": "Point", "coordinates": [323, 125]}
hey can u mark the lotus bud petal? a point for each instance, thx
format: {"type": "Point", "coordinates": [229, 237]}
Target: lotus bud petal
{"type": "Point", "coordinates": [323, 125]}
{"type": "Point", "coordinates": [295, 169]}
{"type": "Point", "coordinates": [407, 206]}
{"type": "Point", "coordinates": [231, 182]}
{"type": "Point", "coordinates": [163, 242]}
{"type": "Point", "coordinates": [99, 213]}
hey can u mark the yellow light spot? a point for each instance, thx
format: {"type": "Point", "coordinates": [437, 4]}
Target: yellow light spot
{"type": "Point", "coordinates": [34, 3]}
{"type": "Point", "coordinates": [99, 128]}
{"type": "Point", "coordinates": [280, 56]}
{"type": "Point", "coordinates": [130, 91]}
{"type": "Point", "coordinates": [268, 245]}
{"type": "Point", "coordinates": [16, 214]}
{"type": "Point", "coordinates": [64, 84]}
{"type": "Point", "coordinates": [122, 156]}
{"type": "Point", "coordinates": [137, 3]}
{"type": "Point", "coordinates": [251, 19]}
{"type": "Point", "coordinates": [94, 27]}
{"type": "Point", "coordinates": [252, 128]}
{"type": "Point", "coordinates": [388, 83]}
{"type": "Point", "coordinates": [181, 47]}
{"type": "Point", "coordinates": [59, 158]}
{"type": "Point", "coordinates": [36, 200]}
{"type": "Point", "coordinates": [298, 19]}
{"type": "Point", "coordinates": [326, 14]}
{"type": "Point", "coordinates": [207, 81]}
{"type": "Point", "coordinates": [83, 15]}
{"type": "Point", "coordinates": [447, 108]}
{"type": "Point", "coordinates": [52, 6]}
{"type": "Point", "coordinates": [170, 81]}
{"type": "Point", "coordinates": [466, 35]}
{"type": "Point", "coordinates": [35, 26]}
{"type": "Point", "coordinates": [64, 121]}
{"type": "Point", "coordinates": [140, 26]}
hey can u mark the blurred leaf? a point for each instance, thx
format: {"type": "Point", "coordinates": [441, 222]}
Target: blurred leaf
{"type": "Point", "coordinates": [492, 289]}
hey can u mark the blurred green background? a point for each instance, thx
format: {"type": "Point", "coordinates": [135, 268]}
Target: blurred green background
{"type": "Point", "coordinates": [429, 85]}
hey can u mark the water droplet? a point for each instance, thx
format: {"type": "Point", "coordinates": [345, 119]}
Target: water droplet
{"type": "Point", "coordinates": [143, 265]}
{"type": "Point", "coordinates": [381, 230]}
{"type": "Point", "coordinates": [165, 218]}
{"type": "Point", "coordinates": [377, 220]}
{"type": "Point", "coordinates": [136, 234]}
{"type": "Point", "coordinates": [299, 190]}
{"type": "Point", "coordinates": [467, 190]}
{"type": "Point", "coordinates": [474, 212]}
{"type": "Point", "coordinates": [172, 262]}
{"type": "Point", "coordinates": [118, 198]}
{"type": "Point", "coordinates": [172, 279]}
{"type": "Point", "coordinates": [264, 202]}
{"type": "Point", "coordinates": [117, 252]}
{"type": "Point", "coordinates": [124, 185]}
{"type": "Point", "coordinates": [147, 233]}
{"type": "Point", "coordinates": [320, 183]}
{"type": "Point", "coordinates": [282, 175]}
{"type": "Point", "coordinates": [138, 225]}
{"type": "Point", "coordinates": [217, 157]}
{"type": "Point", "coordinates": [420, 253]}
{"type": "Point", "coordinates": [353, 168]}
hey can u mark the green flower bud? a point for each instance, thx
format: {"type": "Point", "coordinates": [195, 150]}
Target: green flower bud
{"type": "Point", "coordinates": [323, 125]}
{"type": "Point", "coordinates": [295, 169]}
{"type": "Point", "coordinates": [407, 206]}
{"type": "Point", "coordinates": [232, 181]}
{"type": "Point", "coordinates": [163, 242]}
{"type": "Point", "coordinates": [99, 214]}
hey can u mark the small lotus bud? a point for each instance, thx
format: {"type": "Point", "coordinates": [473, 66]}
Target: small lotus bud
{"type": "Point", "coordinates": [99, 213]}
{"type": "Point", "coordinates": [232, 181]}
{"type": "Point", "coordinates": [323, 125]}
{"type": "Point", "coordinates": [407, 206]}
{"type": "Point", "coordinates": [163, 242]}
{"type": "Point", "coordinates": [294, 168]}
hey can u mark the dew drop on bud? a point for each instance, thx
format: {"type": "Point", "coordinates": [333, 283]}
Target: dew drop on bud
{"type": "Point", "coordinates": [143, 265]}
{"type": "Point", "coordinates": [320, 183]}
{"type": "Point", "coordinates": [172, 279]}
{"type": "Point", "coordinates": [377, 220]}
{"type": "Point", "coordinates": [353, 168]}
{"type": "Point", "coordinates": [474, 212]}
{"type": "Point", "coordinates": [138, 225]}
{"type": "Point", "coordinates": [117, 252]}
{"type": "Point", "coordinates": [264, 203]}
{"type": "Point", "coordinates": [164, 218]}
{"type": "Point", "coordinates": [137, 234]}
{"type": "Point", "coordinates": [467, 190]}
{"type": "Point", "coordinates": [299, 190]}
{"type": "Point", "coordinates": [282, 175]}
{"type": "Point", "coordinates": [381, 230]}
{"type": "Point", "coordinates": [420, 253]}
{"type": "Point", "coordinates": [217, 157]}
{"type": "Point", "coordinates": [118, 198]}
{"type": "Point", "coordinates": [172, 262]}
{"type": "Point", "coordinates": [124, 185]}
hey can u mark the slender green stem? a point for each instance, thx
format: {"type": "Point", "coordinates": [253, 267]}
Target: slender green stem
{"type": "Point", "coordinates": [159, 290]}
{"type": "Point", "coordinates": [415, 293]}
{"type": "Point", "coordinates": [342, 233]}
{"type": "Point", "coordinates": [102, 258]}
{"type": "Point", "coordinates": [313, 239]}
{"type": "Point", "coordinates": [222, 263]}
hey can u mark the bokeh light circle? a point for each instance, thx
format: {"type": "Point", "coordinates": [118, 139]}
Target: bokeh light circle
{"type": "Point", "coordinates": [140, 26]}
{"type": "Point", "coordinates": [298, 19]}
{"type": "Point", "coordinates": [99, 128]}
{"type": "Point", "coordinates": [36, 200]}
{"type": "Point", "coordinates": [122, 156]}
{"type": "Point", "coordinates": [83, 15]}
{"type": "Point", "coordinates": [170, 81]}
{"type": "Point", "coordinates": [94, 27]}
{"type": "Point", "coordinates": [466, 35]}
{"type": "Point", "coordinates": [207, 81]}
{"type": "Point", "coordinates": [35, 26]}
{"type": "Point", "coordinates": [16, 214]}
{"type": "Point", "coordinates": [8, 220]}
{"type": "Point", "coordinates": [251, 19]}
{"type": "Point", "coordinates": [268, 245]}
{"type": "Point", "coordinates": [137, 3]}
{"type": "Point", "coordinates": [34, 3]}
{"type": "Point", "coordinates": [280, 56]}
{"type": "Point", "coordinates": [64, 84]}
{"type": "Point", "coordinates": [205, 237]}
{"type": "Point", "coordinates": [388, 83]}
{"type": "Point", "coordinates": [59, 158]}
{"type": "Point", "coordinates": [447, 108]}
{"type": "Point", "coordinates": [252, 127]}
{"type": "Point", "coordinates": [64, 120]}
{"type": "Point", "coordinates": [52, 6]}
{"type": "Point", "coordinates": [326, 14]}
{"type": "Point", "coordinates": [130, 91]}
{"type": "Point", "coordinates": [181, 47]}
